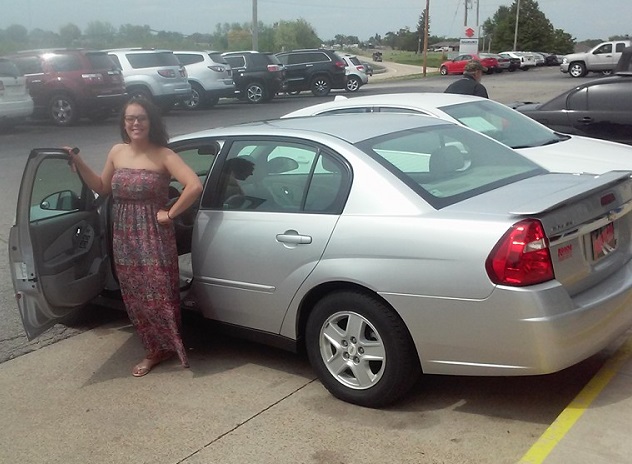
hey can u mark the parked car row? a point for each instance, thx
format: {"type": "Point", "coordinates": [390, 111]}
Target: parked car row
{"type": "Point", "coordinates": [66, 85]}
{"type": "Point", "coordinates": [494, 62]}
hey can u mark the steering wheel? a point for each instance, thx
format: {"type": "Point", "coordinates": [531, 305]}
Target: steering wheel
{"type": "Point", "coordinates": [239, 201]}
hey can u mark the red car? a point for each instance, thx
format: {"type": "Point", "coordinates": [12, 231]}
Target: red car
{"type": "Point", "coordinates": [456, 65]}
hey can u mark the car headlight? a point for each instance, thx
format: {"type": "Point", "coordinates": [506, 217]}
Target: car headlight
{"type": "Point", "coordinates": [564, 60]}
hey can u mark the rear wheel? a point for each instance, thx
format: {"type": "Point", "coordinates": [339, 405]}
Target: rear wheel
{"type": "Point", "coordinates": [577, 69]}
{"type": "Point", "coordinates": [140, 92]}
{"type": "Point", "coordinates": [607, 72]}
{"type": "Point", "coordinates": [353, 84]}
{"type": "Point", "coordinates": [320, 86]}
{"type": "Point", "coordinates": [360, 349]}
{"type": "Point", "coordinates": [63, 110]}
{"type": "Point", "coordinates": [255, 92]}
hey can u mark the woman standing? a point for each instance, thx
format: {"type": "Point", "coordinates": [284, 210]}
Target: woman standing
{"type": "Point", "coordinates": [137, 172]}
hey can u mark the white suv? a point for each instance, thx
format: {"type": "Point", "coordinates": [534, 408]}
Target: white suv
{"type": "Point", "coordinates": [154, 74]}
{"type": "Point", "coordinates": [210, 76]}
{"type": "Point", "coordinates": [15, 102]}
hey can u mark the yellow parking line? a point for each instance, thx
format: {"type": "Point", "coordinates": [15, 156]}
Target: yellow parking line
{"type": "Point", "coordinates": [565, 421]}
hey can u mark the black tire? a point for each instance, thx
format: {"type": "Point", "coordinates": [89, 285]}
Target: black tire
{"type": "Point", "coordinates": [255, 93]}
{"type": "Point", "coordinates": [577, 69]}
{"type": "Point", "coordinates": [320, 86]}
{"type": "Point", "coordinates": [197, 100]}
{"type": "Point", "coordinates": [381, 350]}
{"type": "Point", "coordinates": [443, 71]}
{"type": "Point", "coordinates": [607, 72]}
{"type": "Point", "coordinates": [63, 110]}
{"type": "Point", "coordinates": [140, 92]}
{"type": "Point", "coordinates": [353, 84]}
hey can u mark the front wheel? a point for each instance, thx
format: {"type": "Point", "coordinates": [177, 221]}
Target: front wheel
{"type": "Point", "coordinates": [443, 71]}
{"type": "Point", "coordinates": [353, 84]}
{"type": "Point", "coordinates": [577, 69]}
{"type": "Point", "coordinates": [360, 349]}
{"type": "Point", "coordinates": [320, 86]}
{"type": "Point", "coordinates": [196, 101]}
{"type": "Point", "coordinates": [607, 72]}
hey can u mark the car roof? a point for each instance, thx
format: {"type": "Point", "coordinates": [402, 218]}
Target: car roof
{"type": "Point", "coordinates": [352, 128]}
{"type": "Point", "coordinates": [403, 100]}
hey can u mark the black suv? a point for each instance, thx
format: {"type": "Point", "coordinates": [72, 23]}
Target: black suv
{"type": "Point", "coordinates": [318, 70]}
{"type": "Point", "coordinates": [258, 76]}
{"type": "Point", "coordinates": [67, 84]}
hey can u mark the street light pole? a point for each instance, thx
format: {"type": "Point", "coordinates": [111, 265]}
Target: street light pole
{"type": "Point", "coordinates": [516, 29]}
{"type": "Point", "coordinates": [255, 27]}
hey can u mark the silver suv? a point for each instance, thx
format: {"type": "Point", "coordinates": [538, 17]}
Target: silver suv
{"type": "Point", "coordinates": [210, 76]}
{"type": "Point", "coordinates": [154, 74]}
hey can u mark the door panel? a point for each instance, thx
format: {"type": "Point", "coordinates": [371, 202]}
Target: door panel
{"type": "Point", "coordinates": [57, 247]}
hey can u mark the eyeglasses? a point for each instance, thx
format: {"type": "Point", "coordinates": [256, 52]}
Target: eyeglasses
{"type": "Point", "coordinates": [131, 119]}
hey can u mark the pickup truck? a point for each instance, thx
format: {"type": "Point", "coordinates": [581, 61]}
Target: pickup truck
{"type": "Point", "coordinates": [603, 58]}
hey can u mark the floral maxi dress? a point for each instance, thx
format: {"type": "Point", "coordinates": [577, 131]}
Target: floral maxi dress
{"type": "Point", "coordinates": [146, 260]}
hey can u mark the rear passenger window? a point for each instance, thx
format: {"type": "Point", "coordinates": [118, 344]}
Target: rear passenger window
{"type": "Point", "coordinates": [186, 59]}
{"type": "Point", "coordinates": [64, 63]}
{"type": "Point", "coordinates": [151, 60]}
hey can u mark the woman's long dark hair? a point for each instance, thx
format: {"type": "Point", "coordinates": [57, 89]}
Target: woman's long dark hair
{"type": "Point", "coordinates": [157, 131]}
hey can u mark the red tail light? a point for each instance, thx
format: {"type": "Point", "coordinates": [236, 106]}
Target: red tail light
{"type": "Point", "coordinates": [340, 64]}
{"type": "Point", "coordinates": [275, 68]}
{"type": "Point", "coordinates": [521, 257]}
{"type": "Point", "coordinates": [169, 73]}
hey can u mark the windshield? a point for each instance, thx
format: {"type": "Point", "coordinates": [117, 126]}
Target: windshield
{"type": "Point", "coordinates": [502, 123]}
{"type": "Point", "coordinates": [448, 164]}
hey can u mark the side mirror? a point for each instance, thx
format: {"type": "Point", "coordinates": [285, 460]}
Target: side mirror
{"type": "Point", "coordinates": [66, 200]}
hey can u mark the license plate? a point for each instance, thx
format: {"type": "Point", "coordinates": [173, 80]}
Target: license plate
{"type": "Point", "coordinates": [603, 241]}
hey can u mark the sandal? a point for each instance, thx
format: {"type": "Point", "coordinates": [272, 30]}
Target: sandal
{"type": "Point", "coordinates": [147, 364]}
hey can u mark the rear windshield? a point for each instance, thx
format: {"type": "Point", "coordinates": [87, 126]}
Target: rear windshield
{"type": "Point", "coordinates": [448, 164]}
{"type": "Point", "coordinates": [217, 57]}
{"type": "Point", "coordinates": [152, 60]}
{"type": "Point", "coordinates": [100, 60]}
{"type": "Point", "coordinates": [9, 69]}
{"type": "Point", "coordinates": [502, 123]}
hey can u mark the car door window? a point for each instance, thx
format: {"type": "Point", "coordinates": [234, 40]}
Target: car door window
{"type": "Point", "coordinates": [281, 177]}
{"type": "Point", "coordinates": [48, 198]}
{"type": "Point", "coordinates": [611, 97]}
{"type": "Point", "coordinates": [605, 48]}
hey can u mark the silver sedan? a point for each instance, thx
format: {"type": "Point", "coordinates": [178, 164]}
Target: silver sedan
{"type": "Point", "coordinates": [386, 245]}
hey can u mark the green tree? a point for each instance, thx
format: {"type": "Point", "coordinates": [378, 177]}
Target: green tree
{"type": "Point", "coordinates": [421, 31]}
{"type": "Point", "coordinates": [131, 35]}
{"type": "Point", "coordinates": [70, 34]}
{"type": "Point", "coordinates": [17, 34]}
{"type": "Point", "coordinates": [100, 34]}
{"type": "Point", "coordinates": [290, 35]}
{"type": "Point", "coordinates": [535, 31]}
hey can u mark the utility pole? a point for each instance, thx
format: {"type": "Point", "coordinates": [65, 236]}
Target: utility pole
{"type": "Point", "coordinates": [516, 29]}
{"type": "Point", "coordinates": [255, 27]}
{"type": "Point", "coordinates": [426, 19]}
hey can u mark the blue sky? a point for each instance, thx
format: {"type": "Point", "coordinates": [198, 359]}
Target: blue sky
{"type": "Point", "coordinates": [583, 19]}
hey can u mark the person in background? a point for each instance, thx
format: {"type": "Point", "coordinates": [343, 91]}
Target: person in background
{"type": "Point", "coordinates": [137, 173]}
{"type": "Point", "coordinates": [470, 83]}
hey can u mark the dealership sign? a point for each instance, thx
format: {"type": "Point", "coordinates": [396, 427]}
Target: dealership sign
{"type": "Point", "coordinates": [469, 41]}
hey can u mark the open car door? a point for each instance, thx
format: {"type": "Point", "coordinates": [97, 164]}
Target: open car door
{"type": "Point", "coordinates": [58, 246]}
